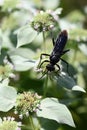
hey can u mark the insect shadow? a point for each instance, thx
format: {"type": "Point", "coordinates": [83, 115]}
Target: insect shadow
{"type": "Point", "coordinates": [57, 53]}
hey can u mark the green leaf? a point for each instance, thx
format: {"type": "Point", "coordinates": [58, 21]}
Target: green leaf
{"type": "Point", "coordinates": [50, 108]}
{"type": "Point", "coordinates": [48, 124]}
{"type": "Point", "coordinates": [51, 5]}
{"type": "Point", "coordinates": [58, 11]}
{"type": "Point", "coordinates": [78, 34]}
{"type": "Point", "coordinates": [22, 59]}
{"type": "Point", "coordinates": [83, 48]}
{"type": "Point", "coordinates": [7, 98]}
{"type": "Point", "coordinates": [6, 41]}
{"type": "Point", "coordinates": [77, 88]}
{"type": "Point", "coordinates": [5, 82]}
{"type": "Point", "coordinates": [25, 35]}
{"type": "Point", "coordinates": [21, 63]}
{"type": "Point", "coordinates": [23, 52]}
{"type": "Point", "coordinates": [9, 4]}
{"type": "Point", "coordinates": [66, 81]}
{"type": "Point", "coordinates": [75, 16]}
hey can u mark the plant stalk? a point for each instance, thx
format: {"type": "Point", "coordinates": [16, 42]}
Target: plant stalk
{"type": "Point", "coordinates": [45, 86]}
{"type": "Point", "coordinates": [44, 42]}
{"type": "Point", "coordinates": [32, 124]}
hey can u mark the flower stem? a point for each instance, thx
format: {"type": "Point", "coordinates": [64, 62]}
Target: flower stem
{"type": "Point", "coordinates": [44, 42]}
{"type": "Point", "coordinates": [45, 87]}
{"type": "Point", "coordinates": [31, 122]}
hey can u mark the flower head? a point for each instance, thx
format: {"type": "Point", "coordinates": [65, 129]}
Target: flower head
{"type": "Point", "coordinates": [27, 103]}
{"type": "Point", "coordinates": [43, 21]}
{"type": "Point", "coordinates": [9, 123]}
{"type": "Point", "coordinates": [6, 70]}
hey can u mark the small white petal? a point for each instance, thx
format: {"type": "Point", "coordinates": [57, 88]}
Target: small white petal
{"type": "Point", "coordinates": [12, 119]}
{"type": "Point", "coordinates": [8, 118]}
{"type": "Point", "coordinates": [19, 123]}
{"type": "Point", "coordinates": [4, 118]}
{"type": "Point", "coordinates": [21, 116]}
{"type": "Point", "coordinates": [27, 113]}
{"type": "Point", "coordinates": [15, 112]}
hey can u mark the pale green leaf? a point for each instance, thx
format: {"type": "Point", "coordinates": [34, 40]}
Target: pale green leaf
{"type": "Point", "coordinates": [83, 48]}
{"type": "Point", "coordinates": [23, 52]}
{"type": "Point", "coordinates": [58, 11]}
{"type": "Point", "coordinates": [78, 34]}
{"type": "Point", "coordinates": [51, 4]}
{"type": "Point", "coordinates": [22, 59]}
{"type": "Point", "coordinates": [25, 35]}
{"type": "Point", "coordinates": [77, 88]}
{"type": "Point", "coordinates": [9, 4]}
{"type": "Point", "coordinates": [50, 108]}
{"type": "Point", "coordinates": [75, 16]}
{"type": "Point", "coordinates": [7, 97]}
{"type": "Point", "coordinates": [5, 82]}
{"type": "Point", "coordinates": [21, 63]}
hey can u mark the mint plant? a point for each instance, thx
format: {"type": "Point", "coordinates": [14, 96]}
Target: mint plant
{"type": "Point", "coordinates": [31, 94]}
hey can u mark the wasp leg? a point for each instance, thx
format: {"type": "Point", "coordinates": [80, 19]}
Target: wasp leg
{"type": "Point", "coordinates": [66, 64]}
{"type": "Point", "coordinates": [42, 75]}
{"type": "Point", "coordinates": [65, 52]}
{"type": "Point", "coordinates": [43, 54]}
{"type": "Point", "coordinates": [58, 67]}
{"type": "Point", "coordinates": [43, 63]}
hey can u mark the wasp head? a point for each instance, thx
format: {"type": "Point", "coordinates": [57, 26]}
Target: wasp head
{"type": "Point", "coordinates": [50, 67]}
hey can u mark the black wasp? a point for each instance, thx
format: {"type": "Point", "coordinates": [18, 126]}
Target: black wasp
{"type": "Point", "coordinates": [57, 52]}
